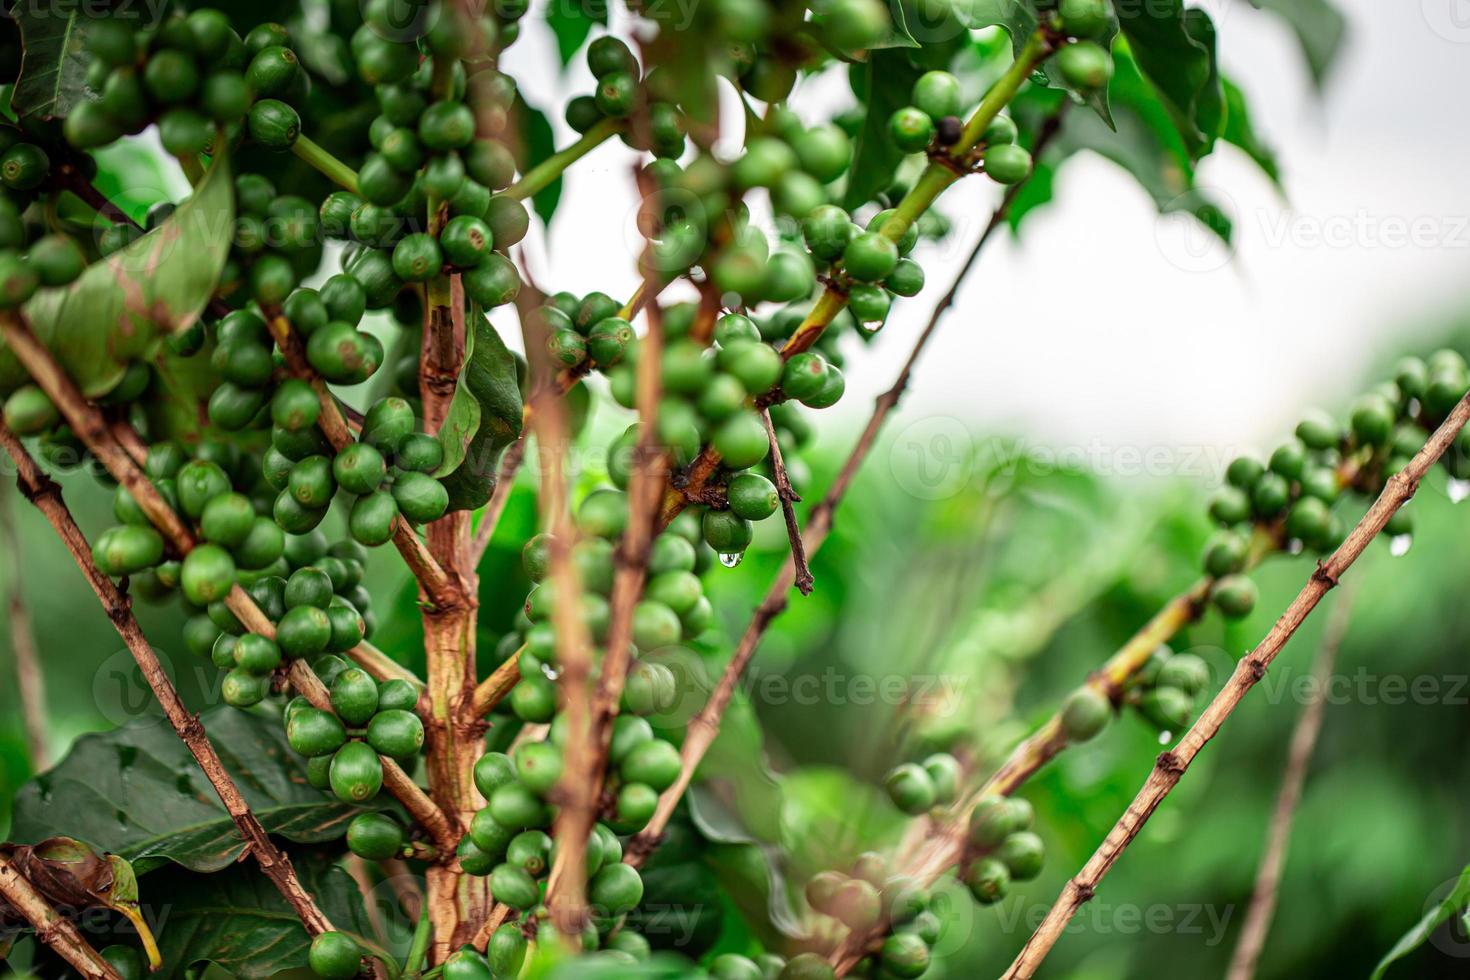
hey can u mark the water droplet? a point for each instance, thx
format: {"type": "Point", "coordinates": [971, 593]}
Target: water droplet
{"type": "Point", "coordinates": [1458, 490]}
{"type": "Point", "coordinates": [1399, 544]}
{"type": "Point", "coordinates": [1165, 738]}
{"type": "Point", "coordinates": [730, 561]}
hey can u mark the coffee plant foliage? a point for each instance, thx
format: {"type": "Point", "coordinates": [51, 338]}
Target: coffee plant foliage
{"type": "Point", "coordinates": [311, 360]}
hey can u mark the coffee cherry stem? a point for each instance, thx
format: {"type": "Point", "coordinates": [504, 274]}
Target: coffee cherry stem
{"type": "Point", "coordinates": [193, 169]}
{"type": "Point", "coordinates": [494, 688]}
{"type": "Point", "coordinates": [542, 174]}
{"type": "Point", "coordinates": [325, 163]}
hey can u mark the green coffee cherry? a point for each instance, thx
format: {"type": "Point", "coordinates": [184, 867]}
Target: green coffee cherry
{"type": "Point", "coordinates": [274, 124]}
{"type": "Point", "coordinates": [313, 732]}
{"type": "Point", "coordinates": [1085, 18]}
{"type": "Point", "coordinates": [375, 836]}
{"type": "Point", "coordinates": [1235, 596]}
{"type": "Point", "coordinates": [989, 879]}
{"type": "Point", "coordinates": [356, 773]}
{"type": "Point", "coordinates": [334, 956]}
{"type": "Point", "coordinates": [29, 411]}
{"type": "Point", "coordinates": [911, 129]}
{"type": "Point", "coordinates": [1167, 707]}
{"type": "Point", "coordinates": [910, 788]}
{"type": "Point", "coordinates": [396, 733]}
{"type": "Point", "coordinates": [1225, 553]}
{"type": "Point", "coordinates": [1085, 714]}
{"type": "Point", "coordinates": [1007, 163]}
{"type": "Point", "coordinates": [870, 257]}
{"type": "Point", "coordinates": [1085, 66]}
{"type": "Point", "coordinates": [208, 574]}
{"type": "Point", "coordinates": [752, 497]}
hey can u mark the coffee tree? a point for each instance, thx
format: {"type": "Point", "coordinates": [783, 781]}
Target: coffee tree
{"type": "Point", "coordinates": [304, 359]}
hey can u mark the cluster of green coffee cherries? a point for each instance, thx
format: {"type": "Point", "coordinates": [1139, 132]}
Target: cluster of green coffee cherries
{"type": "Point", "coordinates": [31, 255]}
{"type": "Point", "coordinates": [1289, 500]}
{"type": "Point", "coordinates": [342, 746]}
{"type": "Point", "coordinates": [1001, 848]}
{"type": "Point", "coordinates": [932, 121]}
{"type": "Point", "coordinates": [189, 73]}
{"type": "Point", "coordinates": [871, 896]}
{"type": "Point", "coordinates": [917, 787]}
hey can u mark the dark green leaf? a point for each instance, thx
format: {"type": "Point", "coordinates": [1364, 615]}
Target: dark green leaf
{"type": "Point", "coordinates": [1240, 132]}
{"type": "Point", "coordinates": [121, 306]}
{"type": "Point", "coordinates": [136, 791]}
{"type": "Point", "coordinates": [539, 142]}
{"type": "Point", "coordinates": [1456, 900]}
{"type": "Point", "coordinates": [898, 35]}
{"type": "Point", "coordinates": [489, 377]}
{"type": "Point", "coordinates": [1018, 17]}
{"type": "Point", "coordinates": [572, 22]}
{"type": "Point", "coordinates": [886, 82]}
{"type": "Point", "coordinates": [237, 920]}
{"type": "Point", "coordinates": [53, 68]}
{"type": "Point", "coordinates": [1319, 28]}
{"type": "Point", "coordinates": [1145, 142]}
{"type": "Point", "coordinates": [1174, 48]}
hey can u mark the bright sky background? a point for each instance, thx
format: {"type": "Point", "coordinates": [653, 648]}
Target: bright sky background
{"type": "Point", "coordinates": [1107, 328]}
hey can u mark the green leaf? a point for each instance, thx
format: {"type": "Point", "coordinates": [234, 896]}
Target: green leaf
{"type": "Point", "coordinates": [1018, 18]}
{"type": "Point", "coordinates": [540, 142]}
{"type": "Point", "coordinates": [53, 67]}
{"type": "Point", "coordinates": [572, 22]}
{"type": "Point", "coordinates": [1455, 901]}
{"type": "Point", "coordinates": [898, 35]}
{"type": "Point", "coordinates": [1174, 48]}
{"type": "Point", "coordinates": [1319, 29]}
{"type": "Point", "coordinates": [1240, 132]}
{"type": "Point", "coordinates": [1144, 141]}
{"type": "Point", "coordinates": [489, 378]}
{"type": "Point", "coordinates": [136, 791]}
{"type": "Point", "coordinates": [886, 82]}
{"type": "Point", "coordinates": [237, 919]}
{"type": "Point", "coordinates": [120, 307]}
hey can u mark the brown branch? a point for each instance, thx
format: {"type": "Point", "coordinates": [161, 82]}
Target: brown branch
{"type": "Point", "coordinates": [30, 681]}
{"type": "Point", "coordinates": [577, 791]}
{"type": "Point", "coordinates": [51, 928]}
{"type": "Point", "coordinates": [46, 496]}
{"type": "Point", "coordinates": [1299, 756]}
{"type": "Point", "coordinates": [1172, 765]}
{"type": "Point", "coordinates": [495, 687]}
{"type": "Point", "coordinates": [789, 498]}
{"type": "Point", "coordinates": [89, 425]}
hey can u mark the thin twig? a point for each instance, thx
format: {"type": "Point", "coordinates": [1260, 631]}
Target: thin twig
{"type": "Point", "coordinates": [566, 896]}
{"type": "Point", "coordinates": [30, 681]}
{"type": "Point", "coordinates": [705, 726]}
{"type": "Point", "coordinates": [51, 928]}
{"type": "Point", "coordinates": [89, 425]}
{"type": "Point", "coordinates": [789, 499]}
{"type": "Point", "coordinates": [1172, 765]}
{"type": "Point", "coordinates": [495, 687]}
{"type": "Point", "coordinates": [1299, 756]}
{"type": "Point", "coordinates": [46, 496]}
